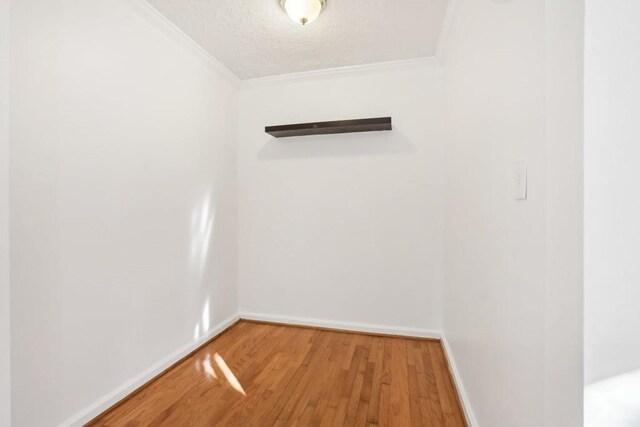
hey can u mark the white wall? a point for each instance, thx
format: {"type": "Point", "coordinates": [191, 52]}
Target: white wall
{"type": "Point", "coordinates": [123, 202]}
{"type": "Point", "coordinates": [344, 228]}
{"type": "Point", "coordinates": [5, 401]}
{"type": "Point", "coordinates": [565, 189]}
{"type": "Point", "coordinates": [497, 267]}
{"type": "Point", "coordinates": [495, 246]}
{"type": "Point", "coordinates": [612, 204]}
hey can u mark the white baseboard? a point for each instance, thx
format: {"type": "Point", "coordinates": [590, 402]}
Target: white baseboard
{"type": "Point", "coordinates": [347, 326]}
{"type": "Point", "coordinates": [457, 379]}
{"type": "Point", "coordinates": [87, 414]}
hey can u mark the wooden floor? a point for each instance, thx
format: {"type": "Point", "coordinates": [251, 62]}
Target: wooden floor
{"type": "Point", "coordinates": [270, 375]}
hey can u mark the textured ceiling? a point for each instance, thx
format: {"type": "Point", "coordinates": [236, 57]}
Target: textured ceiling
{"type": "Point", "coordinates": [255, 38]}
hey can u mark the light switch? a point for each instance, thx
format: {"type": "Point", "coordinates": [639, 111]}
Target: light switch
{"type": "Point", "coordinates": [521, 181]}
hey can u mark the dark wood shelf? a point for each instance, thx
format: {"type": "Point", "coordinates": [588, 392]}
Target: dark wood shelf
{"type": "Point", "coordinates": [323, 128]}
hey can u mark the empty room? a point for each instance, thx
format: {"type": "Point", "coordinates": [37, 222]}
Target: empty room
{"type": "Point", "coordinates": [319, 213]}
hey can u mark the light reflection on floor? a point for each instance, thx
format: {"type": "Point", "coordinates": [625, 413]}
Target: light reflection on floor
{"type": "Point", "coordinates": [208, 369]}
{"type": "Point", "coordinates": [233, 381]}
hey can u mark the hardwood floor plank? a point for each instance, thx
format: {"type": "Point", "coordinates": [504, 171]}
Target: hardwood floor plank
{"type": "Point", "coordinates": [449, 401]}
{"type": "Point", "coordinates": [360, 356]}
{"type": "Point", "coordinates": [399, 393]}
{"type": "Point", "coordinates": [272, 375]}
{"type": "Point", "coordinates": [435, 405]}
{"type": "Point", "coordinates": [414, 395]}
{"type": "Point", "coordinates": [365, 395]}
{"type": "Point", "coordinates": [377, 358]}
{"type": "Point", "coordinates": [385, 403]}
{"type": "Point", "coordinates": [356, 390]}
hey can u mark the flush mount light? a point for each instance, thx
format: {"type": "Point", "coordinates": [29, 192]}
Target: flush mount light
{"type": "Point", "coordinates": [303, 11]}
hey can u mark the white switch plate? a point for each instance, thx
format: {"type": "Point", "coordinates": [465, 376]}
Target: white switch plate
{"type": "Point", "coordinates": [521, 180]}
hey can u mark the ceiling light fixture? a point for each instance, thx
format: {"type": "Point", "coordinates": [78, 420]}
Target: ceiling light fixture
{"type": "Point", "coordinates": [303, 11]}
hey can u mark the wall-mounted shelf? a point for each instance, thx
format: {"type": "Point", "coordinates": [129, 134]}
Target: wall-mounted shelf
{"type": "Point", "coordinates": [323, 128]}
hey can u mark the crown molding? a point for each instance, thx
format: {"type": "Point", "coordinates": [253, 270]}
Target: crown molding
{"type": "Point", "coordinates": [445, 32]}
{"type": "Point", "coordinates": [157, 19]}
{"type": "Point", "coordinates": [426, 61]}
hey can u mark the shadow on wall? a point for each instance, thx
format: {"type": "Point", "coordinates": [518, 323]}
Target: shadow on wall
{"type": "Point", "coordinates": [343, 145]}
